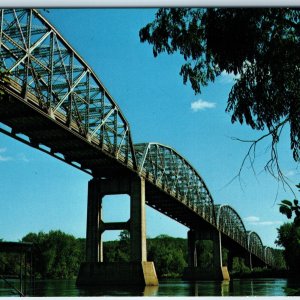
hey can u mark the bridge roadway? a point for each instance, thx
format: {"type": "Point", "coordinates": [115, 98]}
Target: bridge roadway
{"type": "Point", "coordinates": [53, 101]}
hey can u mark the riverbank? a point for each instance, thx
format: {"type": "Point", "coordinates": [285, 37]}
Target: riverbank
{"type": "Point", "coordinates": [262, 273]}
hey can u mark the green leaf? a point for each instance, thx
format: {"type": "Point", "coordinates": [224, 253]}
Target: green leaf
{"type": "Point", "coordinates": [287, 202]}
{"type": "Point", "coordinates": [286, 211]}
{"type": "Point", "coordinates": [297, 221]}
{"type": "Point", "coordinates": [296, 202]}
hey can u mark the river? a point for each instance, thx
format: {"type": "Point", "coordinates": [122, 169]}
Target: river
{"type": "Point", "coordinates": [235, 287]}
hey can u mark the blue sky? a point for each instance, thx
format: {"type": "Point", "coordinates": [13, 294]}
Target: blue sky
{"type": "Point", "coordinates": [39, 192]}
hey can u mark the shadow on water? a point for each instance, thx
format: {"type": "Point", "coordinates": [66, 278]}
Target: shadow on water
{"type": "Point", "coordinates": [167, 287]}
{"type": "Point", "coordinates": [68, 288]}
{"type": "Point", "coordinates": [293, 287]}
{"type": "Point", "coordinates": [235, 287]}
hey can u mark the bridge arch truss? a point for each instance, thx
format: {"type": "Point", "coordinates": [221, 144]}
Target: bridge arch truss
{"type": "Point", "coordinates": [49, 73]}
{"type": "Point", "coordinates": [170, 171]}
{"type": "Point", "coordinates": [230, 223]}
{"type": "Point", "coordinates": [269, 256]}
{"type": "Point", "coordinates": [255, 245]}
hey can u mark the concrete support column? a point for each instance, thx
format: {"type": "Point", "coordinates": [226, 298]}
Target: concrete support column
{"type": "Point", "coordinates": [192, 250]}
{"type": "Point", "coordinates": [138, 220]}
{"type": "Point", "coordinates": [248, 260]}
{"type": "Point", "coordinates": [217, 246]}
{"type": "Point", "coordinates": [138, 271]}
{"type": "Point", "coordinates": [230, 261]}
{"type": "Point", "coordinates": [100, 232]}
{"type": "Point", "coordinates": [220, 271]}
{"type": "Point", "coordinates": [194, 271]}
{"type": "Point", "coordinates": [93, 247]}
{"type": "Point", "coordinates": [215, 237]}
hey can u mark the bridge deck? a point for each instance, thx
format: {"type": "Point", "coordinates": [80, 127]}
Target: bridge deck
{"type": "Point", "coordinates": [64, 142]}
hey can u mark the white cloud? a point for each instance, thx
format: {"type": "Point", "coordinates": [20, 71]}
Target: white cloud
{"type": "Point", "coordinates": [267, 223]}
{"type": "Point", "coordinates": [3, 157]}
{"type": "Point", "coordinates": [252, 220]}
{"type": "Point", "coordinates": [22, 157]}
{"type": "Point", "coordinates": [202, 105]}
{"type": "Point", "coordinates": [228, 77]}
{"type": "Point", "coordinates": [290, 173]}
{"type": "Point", "coordinates": [18, 157]}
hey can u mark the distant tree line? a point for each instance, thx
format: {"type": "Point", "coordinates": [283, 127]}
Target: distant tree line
{"type": "Point", "coordinates": [58, 255]}
{"type": "Point", "coordinates": [169, 254]}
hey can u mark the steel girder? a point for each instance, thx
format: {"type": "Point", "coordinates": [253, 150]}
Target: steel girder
{"type": "Point", "coordinates": [230, 223]}
{"type": "Point", "coordinates": [170, 171]}
{"type": "Point", "coordinates": [48, 71]}
{"type": "Point", "coordinates": [255, 245]}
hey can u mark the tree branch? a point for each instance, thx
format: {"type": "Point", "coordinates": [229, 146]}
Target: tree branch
{"type": "Point", "coordinates": [272, 166]}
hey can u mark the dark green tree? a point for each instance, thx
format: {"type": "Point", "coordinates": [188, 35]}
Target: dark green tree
{"type": "Point", "coordinates": [289, 239]}
{"type": "Point", "coordinates": [289, 208]}
{"type": "Point", "coordinates": [260, 45]}
{"type": "Point", "coordinates": [118, 251]}
{"type": "Point", "coordinates": [280, 263]}
{"type": "Point", "coordinates": [205, 254]}
{"type": "Point", "coordinates": [57, 254]}
{"type": "Point", "coordinates": [289, 234]}
{"type": "Point", "coordinates": [124, 246]}
{"type": "Point", "coordinates": [168, 255]}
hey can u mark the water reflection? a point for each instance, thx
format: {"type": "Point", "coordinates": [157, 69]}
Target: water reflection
{"type": "Point", "coordinates": [150, 291]}
{"type": "Point", "coordinates": [225, 287]}
{"type": "Point", "coordinates": [235, 287]}
{"type": "Point", "coordinates": [210, 288]}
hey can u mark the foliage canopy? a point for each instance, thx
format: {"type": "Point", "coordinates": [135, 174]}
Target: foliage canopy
{"type": "Point", "coordinates": [289, 234]}
{"type": "Point", "coordinates": [261, 46]}
{"type": "Point", "coordinates": [289, 238]}
{"type": "Point", "coordinates": [289, 208]}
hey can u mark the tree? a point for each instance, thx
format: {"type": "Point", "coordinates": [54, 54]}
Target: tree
{"type": "Point", "coordinates": [205, 254]}
{"type": "Point", "coordinates": [124, 246]}
{"type": "Point", "coordinates": [260, 45]}
{"type": "Point", "coordinates": [289, 234]}
{"type": "Point", "coordinates": [117, 251]}
{"type": "Point", "coordinates": [168, 254]}
{"type": "Point", "coordinates": [289, 238]}
{"type": "Point", "coordinates": [58, 255]}
{"type": "Point", "coordinates": [287, 208]}
{"type": "Point", "coordinates": [279, 260]}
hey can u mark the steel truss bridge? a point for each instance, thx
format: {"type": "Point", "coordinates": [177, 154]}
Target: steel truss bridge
{"type": "Point", "coordinates": [53, 101]}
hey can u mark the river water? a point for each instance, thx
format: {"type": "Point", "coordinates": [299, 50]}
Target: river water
{"type": "Point", "coordinates": [235, 287]}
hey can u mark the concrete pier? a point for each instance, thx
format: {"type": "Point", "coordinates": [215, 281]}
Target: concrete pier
{"type": "Point", "coordinates": [195, 271]}
{"type": "Point", "coordinates": [118, 273]}
{"type": "Point", "coordinates": [138, 271]}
